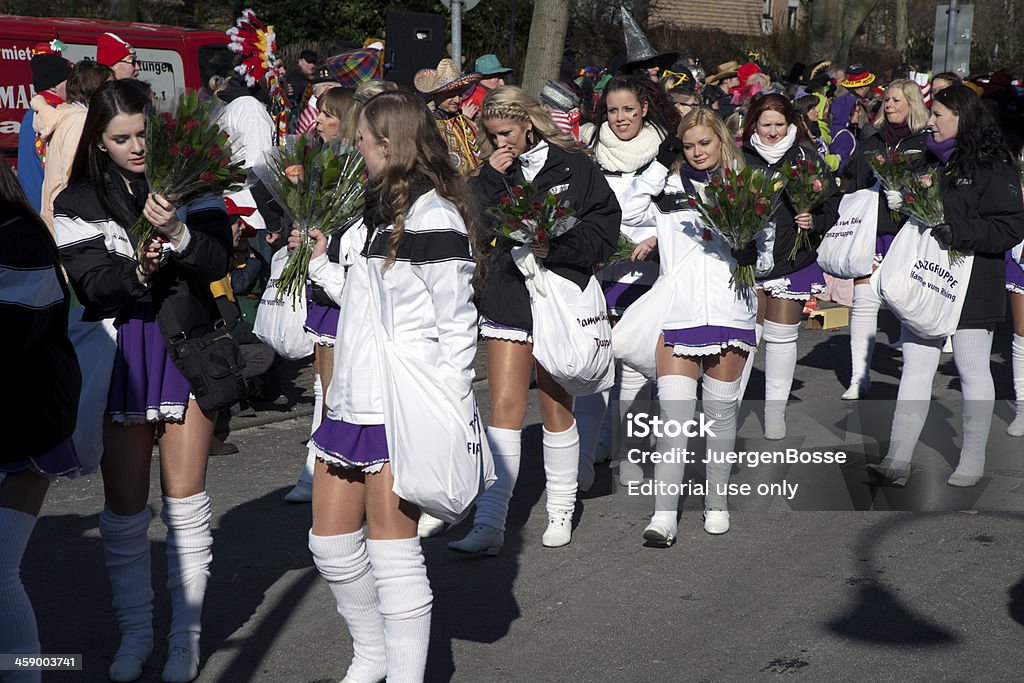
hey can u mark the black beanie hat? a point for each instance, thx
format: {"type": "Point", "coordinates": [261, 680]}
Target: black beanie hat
{"type": "Point", "coordinates": [49, 71]}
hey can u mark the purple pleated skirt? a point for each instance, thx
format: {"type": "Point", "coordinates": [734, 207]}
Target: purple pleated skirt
{"type": "Point", "coordinates": [882, 245]}
{"type": "Point", "coordinates": [322, 322]}
{"type": "Point", "coordinates": [709, 340]}
{"type": "Point", "coordinates": [492, 330]}
{"type": "Point", "coordinates": [58, 461]}
{"type": "Point", "coordinates": [799, 286]}
{"type": "Point", "coordinates": [145, 385]}
{"type": "Point", "coordinates": [342, 444]}
{"type": "Point", "coordinates": [1014, 276]}
{"type": "Point", "coordinates": [620, 295]}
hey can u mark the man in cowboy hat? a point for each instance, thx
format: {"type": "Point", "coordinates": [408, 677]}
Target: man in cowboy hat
{"type": "Point", "coordinates": [492, 75]}
{"type": "Point", "coordinates": [446, 87]}
{"type": "Point", "coordinates": [717, 87]}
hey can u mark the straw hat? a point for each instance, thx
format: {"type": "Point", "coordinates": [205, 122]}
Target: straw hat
{"type": "Point", "coordinates": [445, 78]}
{"type": "Point", "coordinates": [726, 70]}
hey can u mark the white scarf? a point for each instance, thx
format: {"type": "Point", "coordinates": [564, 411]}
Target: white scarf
{"type": "Point", "coordinates": [626, 156]}
{"type": "Point", "coordinates": [774, 153]}
{"type": "Point", "coordinates": [533, 160]}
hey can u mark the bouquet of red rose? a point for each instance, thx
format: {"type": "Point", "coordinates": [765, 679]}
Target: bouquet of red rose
{"type": "Point", "coordinates": [187, 156]}
{"type": "Point", "coordinates": [807, 183]}
{"type": "Point", "coordinates": [319, 186]}
{"type": "Point", "coordinates": [525, 219]}
{"type": "Point", "coordinates": [921, 200]}
{"type": "Point", "coordinates": [892, 170]}
{"type": "Point", "coordinates": [737, 205]}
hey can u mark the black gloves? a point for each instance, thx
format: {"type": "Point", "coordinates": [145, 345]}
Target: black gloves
{"type": "Point", "coordinates": [670, 149]}
{"type": "Point", "coordinates": [943, 233]}
{"type": "Point", "coordinates": [747, 256]}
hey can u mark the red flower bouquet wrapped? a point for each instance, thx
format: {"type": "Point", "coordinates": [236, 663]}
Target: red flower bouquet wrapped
{"type": "Point", "coordinates": [807, 184]}
{"type": "Point", "coordinates": [525, 219]}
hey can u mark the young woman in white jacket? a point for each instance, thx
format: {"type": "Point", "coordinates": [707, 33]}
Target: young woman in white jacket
{"type": "Point", "coordinates": [624, 145]}
{"type": "Point", "coordinates": [708, 328]}
{"type": "Point", "coordinates": [416, 261]}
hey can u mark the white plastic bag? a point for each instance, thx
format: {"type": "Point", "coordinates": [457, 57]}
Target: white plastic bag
{"type": "Point", "coordinates": [635, 336]}
{"type": "Point", "coordinates": [95, 345]}
{"type": "Point", "coordinates": [917, 282]}
{"type": "Point", "coordinates": [847, 250]}
{"type": "Point", "coordinates": [278, 324]}
{"type": "Point", "coordinates": [572, 337]}
{"type": "Point", "coordinates": [440, 457]}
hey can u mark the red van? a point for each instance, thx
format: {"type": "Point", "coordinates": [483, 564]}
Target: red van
{"type": "Point", "coordinates": [170, 59]}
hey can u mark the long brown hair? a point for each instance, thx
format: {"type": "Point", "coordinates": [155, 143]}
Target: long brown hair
{"type": "Point", "coordinates": [779, 104]}
{"type": "Point", "coordinates": [415, 146]}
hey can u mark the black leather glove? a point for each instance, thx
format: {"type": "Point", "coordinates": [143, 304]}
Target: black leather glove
{"type": "Point", "coordinates": [746, 256]}
{"type": "Point", "coordinates": [670, 149]}
{"type": "Point", "coordinates": [943, 233]}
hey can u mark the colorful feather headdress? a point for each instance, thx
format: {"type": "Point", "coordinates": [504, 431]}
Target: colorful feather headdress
{"type": "Point", "coordinates": [256, 43]}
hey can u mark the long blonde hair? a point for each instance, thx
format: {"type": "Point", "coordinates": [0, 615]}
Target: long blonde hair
{"type": "Point", "coordinates": [730, 154]}
{"type": "Point", "coordinates": [917, 119]}
{"type": "Point", "coordinates": [415, 145]}
{"type": "Point", "coordinates": [513, 104]}
{"type": "Point", "coordinates": [363, 93]}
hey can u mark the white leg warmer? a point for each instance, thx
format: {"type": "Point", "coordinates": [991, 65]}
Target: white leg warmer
{"type": "Point", "coordinates": [863, 328]}
{"type": "Point", "coordinates": [920, 361]}
{"type": "Point", "coordinates": [189, 553]}
{"type": "Point", "coordinates": [405, 604]}
{"type": "Point", "coordinates": [1016, 427]}
{"type": "Point", "coordinates": [345, 564]}
{"type": "Point", "coordinates": [19, 633]}
{"type": "Point", "coordinates": [506, 448]}
{"type": "Point", "coordinates": [721, 404]}
{"type": "Point", "coordinates": [972, 352]}
{"type": "Point", "coordinates": [779, 364]}
{"type": "Point", "coordinates": [677, 400]}
{"type": "Point", "coordinates": [561, 457]}
{"type": "Point", "coordinates": [126, 546]}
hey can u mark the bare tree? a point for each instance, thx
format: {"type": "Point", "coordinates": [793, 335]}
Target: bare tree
{"type": "Point", "coordinates": [547, 41]}
{"type": "Point", "coordinates": [124, 10]}
{"type": "Point", "coordinates": [832, 26]}
{"type": "Point", "coordinates": [901, 27]}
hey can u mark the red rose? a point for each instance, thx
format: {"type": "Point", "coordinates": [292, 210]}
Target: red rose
{"type": "Point", "coordinates": [171, 121]}
{"type": "Point", "coordinates": [517, 191]}
{"type": "Point", "coordinates": [207, 177]}
{"type": "Point", "coordinates": [760, 209]}
{"type": "Point", "coordinates": [515, 224]}
{"type": "Point", "coordinates": [715, 210]}
{"type": "Point", "coordinates": [191, 125]}
{"type": "Point", "coordinates": [732, 196]}
{"type": "Point", "coordinates": [692, 202]}
{"type": "Point", "coordinates": [540, 234]}
{"type": "Point", "coordinates": [536, 206]}
{"type": "Point", "coordinates": [174, 149]}
{"type": "Point", "coordinates": [166, 116]}
{"type": "Point", "coordinates": [187, 151]}
{"type": "Point", "coordinates": [216, 151]}
{"type": "Point", "coordinates": [908, 198]}
{"type": "Point", "coordinates": [505, 201]}
{"type": "Point", "coordinates": [560, 212]}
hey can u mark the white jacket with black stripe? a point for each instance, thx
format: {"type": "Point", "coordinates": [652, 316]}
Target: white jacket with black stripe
{"type": "Point", "coordinates": [426, 299]}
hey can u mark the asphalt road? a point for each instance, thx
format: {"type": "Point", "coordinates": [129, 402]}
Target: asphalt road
{"type": "Point", "coordinates": [820, 595]}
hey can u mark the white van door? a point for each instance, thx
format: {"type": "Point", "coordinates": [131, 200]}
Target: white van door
{"type": "Point", "coordinates": [162, 69]}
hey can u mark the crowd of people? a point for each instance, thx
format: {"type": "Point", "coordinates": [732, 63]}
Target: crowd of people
{"type": "Point", "coordinates": [425, 265]}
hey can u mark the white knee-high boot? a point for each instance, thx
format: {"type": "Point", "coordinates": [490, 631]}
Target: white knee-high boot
{"type": "Point", "coordinates": [721, 403]}
{"type": "Point", "coordinates": [972, 353]}
{"type": "Point", "coordinates": [561, 455]}
{"type": "Point", "coordinates": [863, 328]}
{"type": "Point", "coordinates": [633, 388]}
{"type": "Point", "coordinates": [488, 533]}
{"type": "Point", "coordinates": [1016, 427]}
{"type": "Point", "coordinates": [126, 547]}
{"type": "Point", "coordinates": [920, 361]}
{"type": "Point", "coordinates": [779, 365]}
{"type": "Point", "coordinates": [405, 605]}
{"type": "Point", "coordinates": [343, 561]}
{"type": "Point", "coordinates": [189, 553]}
{"type": "Point", "coordinates": [677, 400]}
{"type": "Point", "coordinates": [19, 634]}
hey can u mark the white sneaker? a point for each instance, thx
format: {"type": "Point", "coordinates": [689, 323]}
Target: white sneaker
{"type": "Point", "coordinates": [302, 492]}
{"type": "Point", "coordinates": [182, 666]}
{"type": "Point", "coordinates": [482, 539]}
{"type": "Point", "coordinates": [125, 668]}
{"type": "Point", "coordinates": [559, 531]}
{"type": "Point", "coordinates": [774, 426]}
{"type": "Point", "coordinates": [1016, 428]}
{"type": "Point", "coordinates": [856, 391]}
{"type": "Point", "coordinates": [630, 472]}
{"type": "Point", "coordinates": [716, 521]}
{"type": "Point", "coordinates": [660, 533]}
{"type": "Point", "coordinates": [429, 526]}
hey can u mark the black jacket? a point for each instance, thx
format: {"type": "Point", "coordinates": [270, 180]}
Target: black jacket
{"type": "Point", "coordinates": [39, 404]}
{"type": "Point", "coordinates": [573, 254]}
{"type": "Point", "coordinates": [824, 215]}
{"type": "Point", "coordinates": [859, 176]}
{"type": "Point", "coordinates": [986, 214]}
{"type": "Point", "coordinates": [105, 281]}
